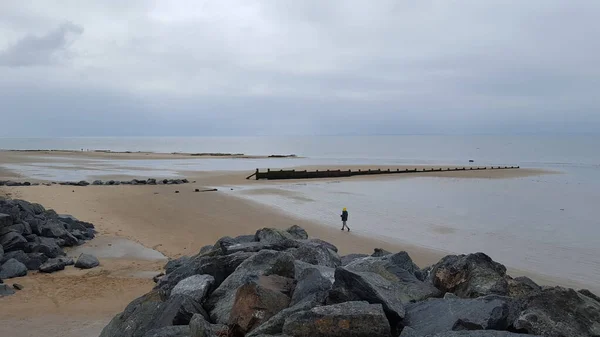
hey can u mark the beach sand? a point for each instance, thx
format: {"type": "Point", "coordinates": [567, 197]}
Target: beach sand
{"type": "Point", "coordinates": [80, 303]}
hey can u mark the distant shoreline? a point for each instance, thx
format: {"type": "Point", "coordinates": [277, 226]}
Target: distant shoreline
{"type": "Point", "coordinates": [147, 154]}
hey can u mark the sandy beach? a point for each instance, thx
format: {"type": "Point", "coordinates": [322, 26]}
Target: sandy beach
{"type": "Point", "coordinates": [173, 224]}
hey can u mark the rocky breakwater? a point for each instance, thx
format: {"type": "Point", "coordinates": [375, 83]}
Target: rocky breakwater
{"type": "Point", "coordinates": [282, 283]}
{"type": "Point", "coordinates": [150, 181]}
{"type": "Point", "coordinates": [32, 239]}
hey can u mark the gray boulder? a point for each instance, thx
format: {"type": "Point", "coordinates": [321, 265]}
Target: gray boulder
{"type": "Point", "coordinates": [253, 247]}
{"type": "Point", "coordinates": [48, 247]}
{"type": "Point", "coordinates": [227, 241]}
{"type": "Point", "coordinates": [12, 241]}
{"type": "Point", "coordinates": [317, 255]}
{"type": "Point", "coordinates": [35, 260]}
{"type": "Point", "coordinates": [472, 275]}
{"type": "Point", "coordinates": [371, 287]}
{"type": "Point", "coordinates": [86, 261]}
{"type": "Point", "coordinates": [380, 252]}
{"type": "Point", "coordinates": [350, 319]}
{"type": "Point", "coordinates": [18, 255]}
{"type": "Point", "coordinates": [1, 252]}
{"type": "Point", "coordinates": [319, 242]}
{"type": "Point", "coordinates": [5, 220]}
{"type": "Point", "coordinates": [520, 287]}
{"type": "Point", "coordinates": [219, 267]}
{"type": "Point", "coordinates": [97, 182]}
{"type": "Point", "coordinates": [200, 327]}
{"type": "Point", "coordinates": [170, 331]}
{"type": "Point", "coordinates": [310, 283]}
{"type": "Point", "coordinates": [6, 290]}
{"type": "Point", "coordinates": [53, 265]}
{"type": "Point", "coordinates": [12, 268]}
{"type": "Point", "coordinates": [206, 249]}
{"type": "Point", "coordinates": [266, 262]}
{"type": "Point", "coordinates": [196, 287]}
{"type": "Point", "coordinates": [56, 229]}
{"type": "Point", "coordinates": [274, 325]}
{"type": "Point", "coordinates": [403, 260]}
{"type": "Point", "coordinates": [408, 332]}
{"type": "Point", "coordinates": [272, 236]}
{"type": "Point", "coordinates": [297, 232]}
{"type": "Point", "coordinates": [176, 263]}
{"type": "Point", "coordinates": [326, 272]}
{"type": "Point", "coordinates": [558, 312]}
{"type": "Point", "coordinates": [150, 312]}
{"type": "Point", "coordinates": [351, 257]}
{"type": "Point", "coordinates": [438, 315]}
{"type": "Point", "coordinates": [257, 301]}
{"type": "Point", "coordinates": [589, 294]}
{"type": "Point", "coordinates": [409, 288]}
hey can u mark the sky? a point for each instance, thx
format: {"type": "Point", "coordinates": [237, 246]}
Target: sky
{"type": "Point", "coordinates": [287, 67]}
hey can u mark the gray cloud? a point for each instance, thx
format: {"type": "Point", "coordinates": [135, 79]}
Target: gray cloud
{"type": "Point", "coordinates": [303, 67]}
{"type": "Point", "coordinates": [49, 48]}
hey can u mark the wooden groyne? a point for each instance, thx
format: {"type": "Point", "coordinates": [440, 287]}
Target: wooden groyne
{"type": "Point", "coordinates": [305, 174]}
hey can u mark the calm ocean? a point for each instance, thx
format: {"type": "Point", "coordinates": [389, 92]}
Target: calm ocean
{"type": "Point", "coordinates": [548, 224]}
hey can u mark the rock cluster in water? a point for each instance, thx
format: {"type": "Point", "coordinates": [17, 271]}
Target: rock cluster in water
{"type": "Point", "coordinates": [281, 283]}
{"type": "Point", "coordinates": [32, 238]}
{"type": "Point", "coordinates": [150, 181]}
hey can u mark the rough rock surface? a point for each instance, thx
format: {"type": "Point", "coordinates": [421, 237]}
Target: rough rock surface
{"type": "Point", "coordinates": [272, 235]}
{"type": "Point", "coordinates": [557, 312]}
{"type": "Point", "coordinates": [438, 315]}
{"type": "Point", "coordinates": [310, 283]}
{"type": "Point", "coordinates": [266, 262]}
{"type": "Point", "coordinates": [326, 272]}
{"type": "Point", "coordinates": [53, 265]}
{"type": "Point", "coordinates": [12, 268]}
{"type": "Point", "coordinates": [408, 332]}
{"type": "Point", "coordinates": [351, 257]}
{"type": "Point", "coordinates": [275, 324]}
{"type": "Point", "coordinates": [219, 267]}
{"type": "Point", "coordinates": [370, 287]}
{"type": "Point", "coordinates": [350, 319]}
{"type": "Point", "coordinates": [150, 312]}
{"type": "Point", "coordinates": [12, 241]}
{"type": "Point", "coordinates": [86, 261]}
{"type": "Point", "coordinates": [169, 331]}
{"type": "Point", "coordinates": [196, 287]}
{"type": "Point", "coordinates": [257, 301]}
{"type": "Point", "coordinates": [401, 271]}
{"type": "Point", "coordinates": [317, 255]}
{"type": "Point", "coordinates": [297, 232]}
{"type": "Point", "coordinates": [472, 275]}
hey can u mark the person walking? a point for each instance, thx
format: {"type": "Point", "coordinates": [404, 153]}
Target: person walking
{"type": "Point", "coordinates": [344, 217]}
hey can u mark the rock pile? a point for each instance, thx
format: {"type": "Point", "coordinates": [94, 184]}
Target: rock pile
{"type": "Point", "coordinates": [32, 238]}
{"type": "Point", "coordinates": [150, 181]}
{"type": "Point", "coordinates": [281, 283]}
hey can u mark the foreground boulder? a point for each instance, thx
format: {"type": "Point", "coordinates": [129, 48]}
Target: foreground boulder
{"type": "Point", "coordinates": [12, 241]}
{"type": "Point", "coordinates": [369, 287]}
{"type": "Point", "coordinates": [297, 232]}
{"type": "Point", "coordinates": [86, 261]}
{"type": "Point", "coordinates": [257, 301]}
{"type": "Point", "coordinates": [311, 283]}
{"type": "Point", "coordinates": [150, 312]}
{"type": "Point", "coordinates": [12, 268]}
{"type": "Point", "coordinates": [266, 262]}
{"type": "Point", "coordinates": [350, 319]}
{"type": "Point", "coordinates": [170, 331]}
{"type": "Point", "coordinates": [557, 312]}
{"type": "Point", "coordinates": [472, 275]}
{"type": "Point", "coordinates": [53, 265]}
{"type": "Point", "coordinates": [219, 267]}
{"type": "Point", "coordinates": [408, 332]}
{"type": "Point", "coordinates": [195, 286]}
{"type": "Point", "coordinates": [401, 271]}
{"type": "Point", "coordinates": [438, 315]}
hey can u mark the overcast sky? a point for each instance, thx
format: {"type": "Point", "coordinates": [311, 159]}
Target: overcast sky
{"type": "Point", "coordinates": [277, 67]}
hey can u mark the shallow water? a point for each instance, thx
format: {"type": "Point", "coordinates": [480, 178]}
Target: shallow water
{"type": "Point", "coordinates": [546, 224]}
